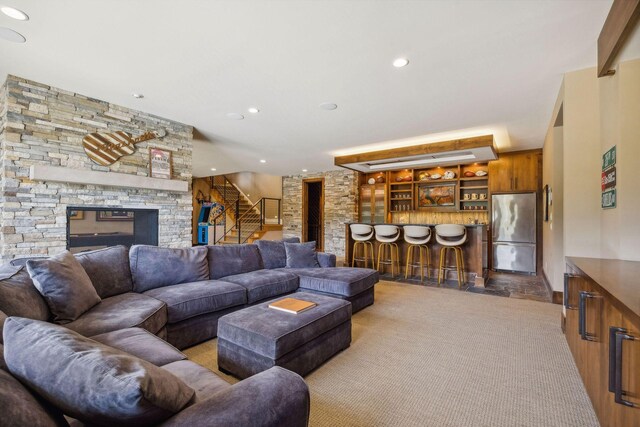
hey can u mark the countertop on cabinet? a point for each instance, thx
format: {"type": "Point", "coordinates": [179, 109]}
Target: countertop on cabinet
{"type": "Point", "coordinates": [620, 279]}
{"type": "Point", "coordinates": [402, 225]}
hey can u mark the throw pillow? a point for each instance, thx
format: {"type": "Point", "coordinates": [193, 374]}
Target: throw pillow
{"type": "Point", "coordinates": [64, 284]}
{"type": "Point", "coordinates": [89, 381]}
{"type": "Point", "coordinates": [273, 253]}
{"type": "Point", "coordinates": [301, 255]}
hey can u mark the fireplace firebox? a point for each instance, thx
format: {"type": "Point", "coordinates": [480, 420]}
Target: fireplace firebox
{"type": "Point", "coordinates": [90, 228]}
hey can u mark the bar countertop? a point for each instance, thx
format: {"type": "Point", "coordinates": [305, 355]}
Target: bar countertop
{"type": "Point", "coordinates": [620, 279]}
{"type": "Point", "coordinates": [402, 225]}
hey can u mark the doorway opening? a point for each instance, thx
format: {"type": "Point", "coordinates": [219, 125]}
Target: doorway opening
{"type": "Point", "coordinates": [313, 211]}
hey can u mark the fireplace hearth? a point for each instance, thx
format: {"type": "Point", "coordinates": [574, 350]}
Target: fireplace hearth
{"type": "Point", "coordinates": [90, 228]}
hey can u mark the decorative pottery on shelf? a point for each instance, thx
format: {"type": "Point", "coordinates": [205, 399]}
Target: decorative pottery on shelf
{"type": "Point", "coordinates": [481, 173]}
{"type": "Point", "coordinates": [436, 176]}
{"type": "Point", "coordinates": [449, 175]}
{"type": "Point", "coordinates": [469, 174]}
{"type": "Point", "coordinates": [423, 176]}
{"type": "Point", "coordinates": [380, 179]}
{"type": "Point", "coordinates": [371, 181]}
{"type": "Point", "coordinates": [407, 178]}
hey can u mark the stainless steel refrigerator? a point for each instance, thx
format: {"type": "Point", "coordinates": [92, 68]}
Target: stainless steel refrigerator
{"type": "Point", "coordinates": [514, 232]}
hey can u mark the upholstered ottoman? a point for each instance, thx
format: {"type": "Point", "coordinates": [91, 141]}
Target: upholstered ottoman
{"type": "Point", "coordinates": [257, 338]}
{"type": "Point", "coordinates": [352, 284]}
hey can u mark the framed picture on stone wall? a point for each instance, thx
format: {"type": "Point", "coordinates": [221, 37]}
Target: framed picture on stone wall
{"type": "Point", "coordinates": [159, 163]}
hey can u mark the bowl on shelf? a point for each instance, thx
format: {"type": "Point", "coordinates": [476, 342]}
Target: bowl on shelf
{"type": "Point", "coordinates": [481, 173]}
{"type": "Point", "coordinates": [449, 175]}
{"type": "Point", "coordinates": [469, 174]}
{"type": "Point", "coordinates": [423, 176]}
{"type": "Point", "coordinates": [371, 181]}
{"type": "Point", "coordinates": [436, 176]}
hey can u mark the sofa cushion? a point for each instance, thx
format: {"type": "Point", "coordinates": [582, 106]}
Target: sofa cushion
{"type": "Point", "coordinates": [187, 300]}
{"type": "Point", "coordinates": [261, 284]}
{"type": "Point", "coordinates": [122, 311]}
{"type": "Point", "coordinates": [21, 408]}
{"type": "Point", "coordinates": [343, 281]}
{"type": "Point", "coordinates": [301, 255]}
{"type": "Point", "coordinates": [64, 284]}
{"type": "Point", "coordinates": [90, 381]}
{"type": "Point", "coordinates": [143, 344]}
{"type": "Point", "coordinates": [273, 253]}
{"type": "Point", "coordinates": [18, 295]}
{"type": "Point", "coordinates": [154, 267]}
{"type": "Point", "coordinates": [228, 260]}
{"type": "Point", "coordinates": [199, 378]}
{"type": "Point", "coordinates": [108, 270]}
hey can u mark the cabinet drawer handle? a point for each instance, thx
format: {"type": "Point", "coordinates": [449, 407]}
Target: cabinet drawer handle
{"type": "Point", "coordinates": [565, 296]}
{"type": "Point", "coordinates": [613, 330]}
{"type": "Point", "coordinates": [619, 393]}
{"type": "Point", "coordinates": [582, 316]}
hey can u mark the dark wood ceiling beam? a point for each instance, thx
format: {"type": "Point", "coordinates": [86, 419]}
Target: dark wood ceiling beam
{"type": "Point", "coordinates": [416, 150]}
{"type": "Point", "coordinates": [620, 22]}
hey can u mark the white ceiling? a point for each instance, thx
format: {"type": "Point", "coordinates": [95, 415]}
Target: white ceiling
{"type": "Point", "coordinates": [475, 66]}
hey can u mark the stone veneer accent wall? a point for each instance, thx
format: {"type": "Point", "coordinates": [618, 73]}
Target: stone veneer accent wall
{"type": "Point", "coordinates": [44, 125]}
{"type": "Point", "coordinates": [340, 206]}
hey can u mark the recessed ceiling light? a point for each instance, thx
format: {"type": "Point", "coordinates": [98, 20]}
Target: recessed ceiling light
{"type": "Point", "coordinates": [235, 116]}
{"type": "Point", "coordinates": [137, 95]}
{"type": "Point", "coordinates": [304, 170]}
{"type": "Point", "coordinates": [263, 161]}
{"type": "Point", "coordinates": [213, 169]}
{"type": "Point", "coordinates": [253, 110]}
{"type": "Point", "coordinates": [328, 106]}
{"type": "Point", "coordinates": [400, 62]}
{"type": "Point", "coordinates": [12, 36]}
{"type": "Point", "coordinates": [14, 13]}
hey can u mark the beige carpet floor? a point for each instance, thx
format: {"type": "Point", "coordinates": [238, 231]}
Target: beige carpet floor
{"type": "Point", "coordinates": [425, 356]}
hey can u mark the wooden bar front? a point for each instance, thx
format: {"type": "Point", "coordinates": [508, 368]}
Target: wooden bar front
{"type": "Point", "coordinates": [474, 250]}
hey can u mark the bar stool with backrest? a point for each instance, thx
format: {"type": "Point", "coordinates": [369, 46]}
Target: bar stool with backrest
{"type": "Point", "coordinates": [387, 236]}
{"type": "Point", "coordinates": [451, 236]}
{"type": "Point", "coordinates": [362, 234]}
{"type": "Point", "coordinates": [417, 236]}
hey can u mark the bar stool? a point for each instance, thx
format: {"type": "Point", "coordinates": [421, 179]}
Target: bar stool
{"type": "Point", "coordinates": [451, 236]}
{"type": "Point", "coordinates": [387, 236]}
{"type": "Point", "coordinates": [362, 234]}
{"type": "Point", "coordinates": [417, 236]}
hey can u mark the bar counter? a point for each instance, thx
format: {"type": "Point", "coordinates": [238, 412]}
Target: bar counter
{"type": "Point", "coordinates": [474, 250]}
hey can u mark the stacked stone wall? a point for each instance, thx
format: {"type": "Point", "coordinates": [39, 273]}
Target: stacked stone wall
{"type": "Point", "coordinates": [340, 206]}
{"type": "Point", "coordinates": [43, 125]}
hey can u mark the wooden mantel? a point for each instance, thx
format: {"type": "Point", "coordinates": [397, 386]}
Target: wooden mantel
{"type": "Point", "coordinates": [107, 179]}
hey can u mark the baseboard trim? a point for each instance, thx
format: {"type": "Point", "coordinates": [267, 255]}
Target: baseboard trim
{"type": "Point", "coordinates": [556, 296]}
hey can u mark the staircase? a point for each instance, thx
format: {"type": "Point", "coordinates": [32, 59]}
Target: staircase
{"type": "Point", "coordinates": [244, 221]}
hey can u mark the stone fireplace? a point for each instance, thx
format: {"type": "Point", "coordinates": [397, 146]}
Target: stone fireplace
{"type": "Point", "coordinates": [44, 169]}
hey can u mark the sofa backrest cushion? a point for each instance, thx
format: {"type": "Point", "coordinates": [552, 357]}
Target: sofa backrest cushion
{"type": "Point", "coordinates": [153, 267]}
{"type": "Point", "coordinates": [273, 253]}
{"type": "Point", "coordinates": [21, 408]}
{"type": "Point", "coordinates": [64, 284]}
{"type": "Point", "coordinates": [227, 260]}
{"type": "Point", "coordinates": [108, 270]}
{"type": "Point", "coordinates": [301, 255]}
{"type": "Point", "coordinates": [90, 381]}
{"type": "Point", "coordinates": [18, 295]}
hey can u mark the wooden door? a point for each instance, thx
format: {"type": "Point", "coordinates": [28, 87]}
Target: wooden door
{"type": "Point", "coordinates": [525, 171]}
{"type": "Point", "coordinates": [501, 174]}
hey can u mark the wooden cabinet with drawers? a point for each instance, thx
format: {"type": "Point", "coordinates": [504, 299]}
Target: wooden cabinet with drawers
{"type": "Point", "coordinates": [602, 328]}
{"type": "Point", "coordinates": [515, 172]}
